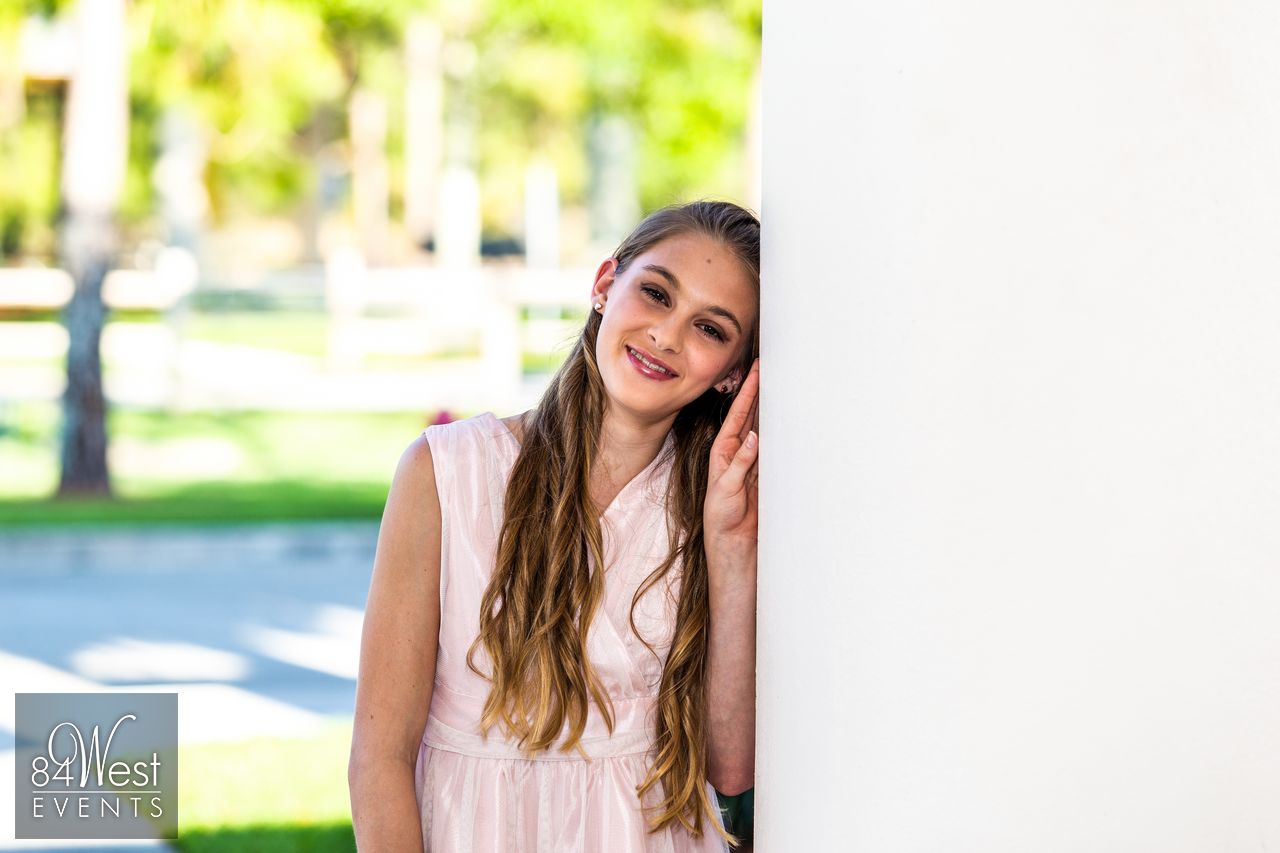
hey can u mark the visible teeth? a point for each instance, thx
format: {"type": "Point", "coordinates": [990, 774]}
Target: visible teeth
{"type": "Point", "coordinates": [648, 363]}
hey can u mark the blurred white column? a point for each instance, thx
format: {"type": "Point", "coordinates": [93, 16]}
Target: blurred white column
{"type": "Point", "coordinates": [1020, 566]}
{"type": "Point", "coordinates": [178, 272]}
{"type": "Point", "coordinates": [423, 126]}
{"type": "Point", "coordinates": [541, 214]}
{"type": "Point", "coordinates": [458, 206]}
{"type": "Point", "coordinates": [370, 175]}
{"type": "Point", "coordinates": [613, 200]}
{"type": "Point", "coordinates": [458, 231]}
{"type": "Point", "coordinates": [95, 125]}
{"type": "Point", "coordinates": [178, 177]}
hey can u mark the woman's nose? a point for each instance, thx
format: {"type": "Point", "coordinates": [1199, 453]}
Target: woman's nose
{"type": "Point", "coordinates": [664, 337]}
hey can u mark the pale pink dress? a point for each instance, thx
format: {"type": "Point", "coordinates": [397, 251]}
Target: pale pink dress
{"type": "Point", "coordinates": [483, 795]}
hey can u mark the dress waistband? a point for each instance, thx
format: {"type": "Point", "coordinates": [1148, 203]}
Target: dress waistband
{"type": "Point", "coordinates": [631, 735]}
{"type": "Point", "coordinates": [439, 735]}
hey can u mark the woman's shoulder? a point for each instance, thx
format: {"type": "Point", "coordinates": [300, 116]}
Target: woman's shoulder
{"type": "Point", "coordinates": [470, 456]}
{"type": "Point", "coordinates": [515, 425]}
{"type": "Point", "coordinates": [477, 424]}
{"type": "Point", "coordinates": [484, 436]}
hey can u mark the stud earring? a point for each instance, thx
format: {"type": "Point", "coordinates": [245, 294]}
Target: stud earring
{"type": "Point", "coordinates": [599, 306]}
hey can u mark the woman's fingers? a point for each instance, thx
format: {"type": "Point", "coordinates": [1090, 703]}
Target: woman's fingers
{"type": "Point", "coordinates": [734, 477]}
{"type": "Point", "coordinates": [741, 408]}
{"type": "Point", "coordinates": [739, 420]}
{"type": "Point", "coordinates": [751, 388]}
{"type": "Point", "coordinates": [753, 417]}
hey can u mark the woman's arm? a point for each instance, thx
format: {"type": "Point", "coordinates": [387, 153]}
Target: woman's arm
{"type": "Point", "coordinates": [731, 671]}
{"type": "Point", "coordinates": [730, 525]}
{"type": "Point", "coordinates": [397, 660]}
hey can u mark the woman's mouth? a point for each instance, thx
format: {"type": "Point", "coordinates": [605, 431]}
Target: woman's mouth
{"type": "Point", "coordinates": [649, 366]}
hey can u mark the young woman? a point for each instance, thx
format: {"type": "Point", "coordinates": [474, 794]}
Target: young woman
{"type": "Point", "coordinates": [559, 644]}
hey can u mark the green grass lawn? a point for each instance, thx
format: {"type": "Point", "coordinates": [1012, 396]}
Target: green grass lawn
{"type": "Point", "coordinates": [271, 795]}
{"type": "Point", "coordinates": [209, 467]}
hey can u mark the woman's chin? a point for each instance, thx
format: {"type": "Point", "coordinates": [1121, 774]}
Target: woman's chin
{"type": "Point", "coordinates": [632, 396]}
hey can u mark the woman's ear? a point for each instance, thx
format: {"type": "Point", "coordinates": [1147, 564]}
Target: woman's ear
{"type": "Point", "coordinates": [731, 382]}
{"type": "Point", "coordinates": [604, 279]}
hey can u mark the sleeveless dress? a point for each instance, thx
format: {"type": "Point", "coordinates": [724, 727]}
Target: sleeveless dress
{"type": "Point", "coordinates": [478, 794]}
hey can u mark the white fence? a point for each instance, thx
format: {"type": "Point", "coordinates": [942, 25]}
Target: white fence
{"type": "Point", "coordinates": [479, 322]}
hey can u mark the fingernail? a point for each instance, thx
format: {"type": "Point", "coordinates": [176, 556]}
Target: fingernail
{"type": "Point", "coordinates": [751, 438]}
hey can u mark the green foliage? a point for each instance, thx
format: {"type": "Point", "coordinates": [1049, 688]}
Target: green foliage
{"type": "Point", "coordinates": [29, 177]}
{"type": "Point", "coordinates": [254, 74]}
{"type": "Point", "coordinates": [679, 71]}
{"type": "Point", "coordinates": [269, 80]}
{"type": "Point", "coordinates": [45, 8]}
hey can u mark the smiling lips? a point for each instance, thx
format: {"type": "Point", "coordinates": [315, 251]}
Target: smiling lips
{"type": "Point", "coordinates": [649, 366]}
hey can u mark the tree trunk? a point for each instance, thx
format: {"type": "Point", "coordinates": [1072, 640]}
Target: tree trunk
{"type": "Point", "coordinates": [87, 254]}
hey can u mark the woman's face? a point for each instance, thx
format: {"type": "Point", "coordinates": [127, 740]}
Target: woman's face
{"type": "Point", "coordinates": [685, 306]}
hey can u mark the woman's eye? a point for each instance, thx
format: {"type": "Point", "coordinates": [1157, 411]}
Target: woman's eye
{"type": "Point", "coordinates": [658, 296]}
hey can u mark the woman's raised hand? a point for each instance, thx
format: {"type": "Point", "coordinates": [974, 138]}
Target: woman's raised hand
{"type": "Point", "coordinates": [729, 512]}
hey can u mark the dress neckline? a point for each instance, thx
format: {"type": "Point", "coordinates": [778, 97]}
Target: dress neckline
{"type": "Point", "coordinates": [631, 484]}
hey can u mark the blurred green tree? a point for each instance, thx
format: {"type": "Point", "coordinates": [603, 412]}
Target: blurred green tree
{"type": "Point", "coordinates": [678, 70]}
{"type": "Point", "coordinates": [270, 80]}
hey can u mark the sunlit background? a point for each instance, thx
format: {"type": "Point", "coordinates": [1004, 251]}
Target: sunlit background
{"type": "Point", "coordinates": [248, 250]}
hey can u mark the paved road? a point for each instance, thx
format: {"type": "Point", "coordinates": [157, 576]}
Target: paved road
{"type": "Point", "coordinates": [256, 628]}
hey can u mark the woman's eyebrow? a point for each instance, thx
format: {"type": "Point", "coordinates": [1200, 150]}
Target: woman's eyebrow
{"type": "Point", "coordinates": [675, 285]}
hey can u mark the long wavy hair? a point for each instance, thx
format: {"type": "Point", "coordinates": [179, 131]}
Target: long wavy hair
{"type": "Point", "coordinates": [538, 607]}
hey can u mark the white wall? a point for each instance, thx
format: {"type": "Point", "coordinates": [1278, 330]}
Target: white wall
{"type": "Point", "coordinates": [1020, 568]}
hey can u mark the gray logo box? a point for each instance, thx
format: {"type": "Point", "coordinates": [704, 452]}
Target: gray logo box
{"type": "Point", "coordinates": [96, 765]}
